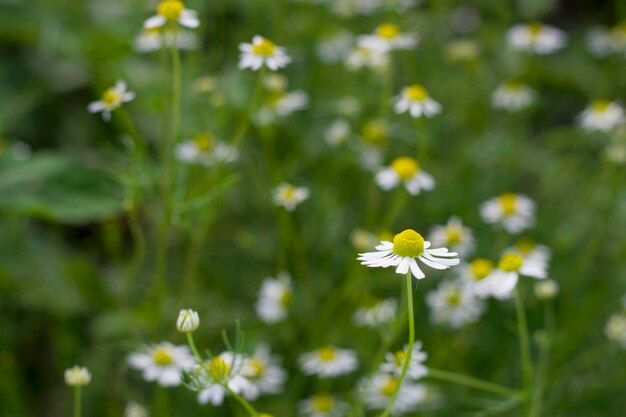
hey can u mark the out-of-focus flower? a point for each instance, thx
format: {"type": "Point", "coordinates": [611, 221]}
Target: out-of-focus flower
{"type": "Point", "coordinates": [261, 52]}
{"type": "Point", "coordinates": [530, 249]}
{"type": "Point", "coordinates": [537, 38]}
{"type": "Point", "coordinates": [328, 361]}
{"type": "Point", "coordinates": [388, 37]}
{"type": "Point", "coordinates": [77, 376]}
{"type": "Point", "coordinates": [289, 196]}
{"type": "Point", "coordinates": [602, 115]}
{"type": "Point", "coordinates": [134, 409]}
{"type": "Point", "coordinates": [514, 212]}
{"type": "Point", "coordinates": [379, 389]}
{"type": "Point", "coordinates": [415, 100]}
{"type": "Point", "coordinates": [163, 363]}
{"type": "Point", "coordinates": [546, 289]}
{"type": "Point", "coordinates": [323, 405]}
{"type": "Point", "coordinates": [377, 313]}
{"type": "Point", "coordinates": [501, 282]}
{"type": "Point", "coordinates": [615, 329]}
{"type": "Point", "coordinates": [405, 170]}
{"type": "Point", "coordinates": [394, 362]}
{"type": "Point", "coordinates": [374, 134]}
{"type": "Point", "coordinates": [336, 47]}
{"type": "Point", "coordinates": [275, 298]}
{"type": "Point", "coordinates": [205, 150]}
{"type": "Point", "coordinates": [171, 12]}
{"type": "Point", "coordinates": [473, 273]}
{"type": "Point", "coordinates": [462, 50]}
{"type": "Point", "coordinates": [280, 104]}
{"type": "Point", "coordinates": [513, 96]}
{"type": "Point", "coordinates": [603, 41]}
{"type": "Point", "coordinates": [264, 372]}
{"type": "Point", "coordinates": [205, 84]}
{"type": "Point", "coordinates": [337, 132]}
{"type": "Point", "coordinates": [150, 40]}
{"type": "Point", "coordinates": [364, 56]}
{"type": "Point", "coordinates": [408, 246]}
{"type": "Point", "coordinates": [453, 235]}
{"type": "Point", "coordinates": [111, 99]}
{"type": "Point", "coordinates": [454, 305]}
{"type": "Point", "coordinates": [188, 320]}
{"type": "Point", "coordinates": [220, 375]}
{"type": "Point", "coordinates": [364, 240]}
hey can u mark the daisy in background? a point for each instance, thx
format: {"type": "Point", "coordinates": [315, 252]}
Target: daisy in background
{"type": "Point", "coordinates": [394, 361]}
{"type": "Point", "coordinates": [150, 40]}
{"type": "Point", "coordinates": [111, 99]}
{"type": "Point", "coordinates": [172, 12]}
{"type": "Point", "coordinates": [387, 37]}
{"type": "Point", "coordinates": [513, 96]}
{"type": "Point", "coordinates": [374, 136]}
{"type": "Point", "coordinates": [262, 52]}
{"type": "Point", "coordinates": [462, 50]}
{"type": "Point", "coordinates": [323, 405]}
{"type": "Point", "coordinates": [530, 249]}
{"type": "Point", "coordinates": [134, 409]}
{"type": "Point", "coordinates": [163, 363]}
{"type": "Point", "coordinates": [473, 275]}
{"type": "Point", "coordinates": [275, 298]}
{"type": "Point", "coordinates": [264, 372]}
{"type": "Point", "coordinates": [454, 305]}
{"type": "Point", "coordinates": [337, 132]}
{"type": "Point", "coordinates": [416, 100]}
{"type": "Point", "coordinates": [502, 281]}
{"type": "Point", "coordinates": [408, 246]}
{"type": "Point", "coordinates": [602, 115]}
{"type": "Point", "coordinates": [205, 150]}
{"type": "Point", "coordinates": [376, 313]}
{"type": "Point", "coordinates": [328, 361]}
{"type": "Point", "coordinates": [335, 48]}
{"type": "Point", "coordinates": [278, 102]}
{"type": "Point", "coordinates": [379, 389]}
{"type": "Point", "coordinates": [453, 235]}
{"type": "Point", "coordinates": [407, 171]}
{"type": "Point", "coordinates": [218, 376]}
{"type": "Point", "coordinates": [603, 41]}
{"type": "Point", "coordinates": [364, 56]}
{"type": "Point", "coordinates": [289, 196]}
{"type": "Point", "coordinates": [537, 38]}
{"type": "Point", "coordinates": [515, 212]}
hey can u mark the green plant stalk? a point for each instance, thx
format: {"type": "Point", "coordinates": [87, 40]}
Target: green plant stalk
{"type": "Point", "coordinates": [472, 382]}
{"type": "Point", "coordinates": [192, 345]}
{"type": "Point", "coordinates": [244, 403]}
{"type": "Point", "coordinates": [409, 351]}
{"type": "Point", "coordinates": [77, 401]}
{"type": "Point", "coordinates": [522, 330]}
{"type": "Point", "coordinates": [256, 96]}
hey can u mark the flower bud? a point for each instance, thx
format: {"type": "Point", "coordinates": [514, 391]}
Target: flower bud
{"type": "Point", "coordinates": [77, 376]}
{"type": "Point", "coordinates": [188, 321]}
{"type": "Point", "coordinates": [546, 289]}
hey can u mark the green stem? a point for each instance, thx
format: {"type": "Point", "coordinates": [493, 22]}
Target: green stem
{"type": "Point", "coordinates": [77, 401]}
{"type": "Point", "coordinates": [256, 95]}
{"type": "Point", "coordinates": [522, 330]}
{"type": "Point", "coordinates": [472, 382]}
{"type": "Point", "coordinates": [409, 351]}
{"type": "Point", "coordinates": [544, 359]}
{"type": "Point", "coordinates": [244, 403]}
{"type": "Point", "coordinates": [192, 345]}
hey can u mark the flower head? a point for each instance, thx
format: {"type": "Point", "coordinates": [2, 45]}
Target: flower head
{"type": "Point", "coordinates": [111, 99]}
{"type": "Point", "coordinates": [261, 52]}
{"type": "Point", "coordinates": [602, 115]}
{"type": "Point", "coordinates": [163, 363]}
{"type": "Point", "coordinates": [171, 12]}
{"type": "Point", "coordinates": [407, 171]}
{"type": "Point", "coordinates": [289, 196]}
{"type": "Point", "coordinates": [188, 320]}
{"type": "Point", "coordinates": [615, 329]}
{"type": "Point", "coordinates": [515, 212]}
{"type": "Point", "coordinates": [454, 235]}
{"type": "Point", "coordinates": [416, 100]}
{"type": "Point", "coordinates": [275, 298]}
{"type": "Point", "coordinates": [264, 372]}
{"type": "Point", "coordinates": [77, 376]}
{"type": "Point", "coordinates": [537, 38]}
{"type": "Point", "coordinates": [220, 375]}
{"type": "Point", "coordinates": [394, 362]}
{"type": "Point", "coordinates": [150, 40]}
{"type": "Point", "coordinates": [328, 361]}
{"type": "Point", "coordinates": [513, 96]}
{"type": "Point", "coordinates": [323, 405]}
{"type": "Point", "coordinates": [546, 289]}
{"type": "Point", "coordinates": [379, 389]}
{"type": "Point", "coordinates": [388, 37]}
{"type": "Point", "coordinates": [377, 313]}
{"type": "Point", "coordinates": [204, 149]}
{"type": "Point", "coordinates": [454, 305]}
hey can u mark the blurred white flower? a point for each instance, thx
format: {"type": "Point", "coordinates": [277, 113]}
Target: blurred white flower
{"type": "Point", "coordinates": [262, 52]}
{"type": "Point", "coordinates": [163, 363]}
{"type": "Point", "coordinates": [387, 37]}
{"type": "Point", "coordinates": [531, 250]}
{"type": "Point", "coordinates": [134, 409]}
{"type": "Point", "coordinates": [379, 389]}
{"type": "Point", "coordinates": [453, 235]}
{"type": "Point", "coordinates": [546, 289]}
{"type": "Point", "coordinates": [77, 376]}
{"type": "Point", "coordinates": [150, 40]}
{"type": "Point", "coordinates": [21, 151]}
{"type": "Point", "coordinates": [264, 372]}
{"type": "Point", "coordinates": [172, 11]}
{"type": "Point", "coordinates": [473, 273]}
{"type": "Point", "coordinates": [600, 41]}
{"type": "Point", "coordinates": [615, 329]}
{"type": "Point", "coordinates": [462, 50]}
{"type": "Point", "coordinates": [275, 298]}
{"type": "Point", "coordinates": [188, 320]}
{"type": "Point", "coordinates": [501, 282]}
{"type": "Point", "coordinates": [416, 100]}
{"type": "Point", "coordinates": [377, 314]}
{"type": "Point", "coordinates": [323, 405]}
{"type": "Point", "coordinates": [205, 150]}
{"type": "Point", "coordinates": [536, 37]}
{"type": "Point", "coordinates": [405, 170]}
{"type": "Point", "coordinates": [337, 132]}
{"type": "Point", "coordinates": [454, 304]}
{"type": "Point", "coordinates": [328, 361]}
{"type": "Point", "coordinates": [222, 374]}
{"type": "Point", "coordinates": [514, 212]}
{"type": "Point", "coordinates": [336, 47]}
{"type": "Point", "coordinates": [280, 104]}
{"type": "Point", "coordinates": [111, 99]}
{"type": "Point", "coordinates": [364, 56]}
{"type": "Point", "coordinates": [602, 115]}
{"type": "Point", "coordinates": [513, 96]}
{"type": "Point", "coordinates": [394, 362]}
{"type": "Point", "coordinates": [289, 196]}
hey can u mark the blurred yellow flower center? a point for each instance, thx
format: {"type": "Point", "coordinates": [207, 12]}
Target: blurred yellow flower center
{"type": "Point", "coordinates": [507, 202]}
{"type": "Point", "coordinates": [389, 387]}
{"type": "Point", "coordinates": [162, 356]}
{"type": "Point", "coordinates": [218, 368]}
{"type": "Point", "coordinates": [510, 262]}
{"type": "Point", "coordinates": [416, 93]}
{"type": "Point", "coordinates": [258, 368]}
{"type": "Point", "coordinates": [525, 245]}
{"type": "Point", "coordinates": [274, 98]}
{"type": "Point", "coordinates": [323, 403]}
{"type": "Point", "coordinates": [170, 9]}
{"type": "Point", "coordinates": [204, 141]}
{"type": "Point", "coordinates": [264, 48]}
{"type": "Point", "coordinates": [288, 192]}
{"type": "Point", "coordinates": [327, 354]}
{"type": "Point", "coordinates": [535, 29]}
{"type": "Point", "coordinates": [399, 356]}
{"type": "Point", "coordinates": [405, 167]}
{"type": "Point", "coordinates": [111, 97]}
{"type": "Point", "coordinates": [454, 297]}
{"type": "Point", "coordinates": [388, 31]}
{"type": "Point", "coordinates": [408, 243]}
{"type": "Point", "coordinates": [601, 105]}
{"type": "Point", "coordinates": [453, 234]}
{"type": "Point", "coordinates": [375, 132]}
{"type": "Point", "coordinates": [481, 268]}
{"type": "Point", "coordinates": [286, 298]}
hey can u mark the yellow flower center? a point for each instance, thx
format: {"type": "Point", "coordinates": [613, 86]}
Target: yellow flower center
{"type": "Point", "coordinates": [375, 132]}
{"type": "Point", "coordinates": [258, 368]}
{"type": "Point", "coordinates": [204, 141]}
{"type": "Point", "coordinates": [510, 262]}
{"type": "Point", "coordinates": [535, 29]}
{"type": "Point", "coordinates": [162, 356]}
{"type": "Point", "coordinates": [525, 245]}
{"type": "Point", "coordinates": [264, 48]}
{"type": "Point", "coordinates": [274, 98]}
{"type": "Point", "coordinates": [170, 9]}
{"type": "Point", "coordinates": [389, 387]}
{"type": "Point", "coordinates": [218, 368]}
{"type": "Point", "coordinates": [399, 356]}
{"type": "Point", "coordinates": [408, 243]}
{"type": "Point", "coordinates": [323, 403]}
{"type": "Point", "coordinates": [111, 97]}
{"type": "Point", "coordinates": [405, 167]}
{"type": "Point", "coordinates": [454, 297]}
{"type": "Point", "coordinates": [600, 105]}
{"type": "Point", "coordinates": [388, 31]}
{"type": "Point", "coordinates": [507, 202]}
{"type": "Point", "coordinates": [454, 235]}
{"type": "Point", "coordinates": [416, 92]}
{"type": "Point", "coordinates": [288, 192]}
{"type": "Point", "coordinates": [480, 268]}
{"type": "Point", "coordinates": [326, 354]}
{"type": "Point", "coordinates": [286, 298]}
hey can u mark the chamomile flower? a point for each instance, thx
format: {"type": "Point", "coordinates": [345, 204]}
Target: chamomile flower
{"type": "Point", "coordinates": [222, 374]}
{"type": "Point", "coordinates": [111, 99]}
{"type": "Point", "coordinates": [337, 132]}
{"type": "Point", "coordinates": [515, 212]}
{"type": "Point", "coordinates": [336, 47]}
{"type": "Point", "coordinates": [289, 196]}
{"type": "Point", "coordinates": [388, 37]}
{"type": "Point", "coordinates": [275, 298]}
{"type": "Point", "coordinates": [205, 150]}
{"type": "Point", "coordinates": [602, 115]}
{"type": "Point", "coordinates": [150, 40]}
{"type": "Point", "coordinates": [394, 362]}
{"type": "Point", "coordinates": [615, 329]}
{"type": "Point", "coordinates": [600, 41]}
{"type": "Point", "coordinates": [376, 313]}
{"type": "Point", "coordinates": [405, 170]}
{"type": "Point", "coordinates": [77, 376]}
{"type": "Point", "coordinates": [408, 246]}
{"type": "Point", "coordinates": [454, 305]}
{"type": "Point", "coordinates": [163, 363]}
{"type": "Point", "coordinates": [537, 38]}
{"type": "Point", "coordinates": [328, 361]}
{"type": "Point", "coordinates": [379, 389]}
{"type": "Point", "coordinates": [546, 289]}
{"type": "Point", "coordinates": [416, 100]}
{"type": "Point", "coordinates": [280, 104]}
{"type": "Point", "coordinates": [172, 12]}
{"type": "Point", "coordinates": [134, 409]}
{"type": "Point", "coordinates": [501, 282]}
{"type": "Point", "coordinates": [530, 249]}
{"type": "Point", "coordinates": [364, 56]}
{"type": "Point", "coordinates": [474, 274]}
{"type": "Point", "coordinates": [454, 235]}
{"type": "Point", "coordinates": [513, 96]}
{"type": "Point", "coordinates": [263, 371]}
{"type": "Point", "coordinates": [374, 135]}
{"type": "Point", "coordinates": [261, 52]}
{"type": "Point", "coordinates": [323, 405]}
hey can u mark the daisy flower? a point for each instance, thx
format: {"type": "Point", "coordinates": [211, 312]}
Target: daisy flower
{"type": "Point", "coordinates": [264, 372]}
{"type": "Point", "coordinates": [387, 37]}
{"type": "Point", "coordinates": [328, 361]}
{"type": "Point", "coordinates": [280, 104]}
{"type": "Point", "coordinates": [275, 298]}
{"type": "Point", "coordinates": [150, 40]}
{"type": "Point", "coordinates": [335, 48]}
{"type": "Point", "coordinates": [374, 134]}
{"type": "Point", "coordinates": [513, 96]}
{"type": "Point", "coordinates": [378, 313]}
{"type": "Point", "coordinates": [289, 196]}
{"type": "Point", "coordinates": [171, 12]}
{"type": "Point", "coordinates": [406, 247]}
{"type": "Point", "coordinates": [454, 305]}
{"type": "Point", "coordinates": [77, 376]}
{"type": "Point", "coordinates": [379, 389]}
{"type": "Point", "coordinates": [221, 374]}
{"type": "Point", "coordinates": [615, 329]}
{"type": "Point", "coordinates": [262, 52]}
{"type": "Point", "coordinates": [364, 56]}
{"type": "Point", "coordinates": [323, 405]}
{"type": "Point", "coordinates": [474, 274]}
{"type": "Point", "coordinates": [363, 240]}
{"type": "Point", "coordinates": [405, 170]}
{"type": "Point", "coordinates": [602, 115]}
{"type": "Point", "coordinates": [530, 249]}
{"type": "Point", "coordinates": [205, 150]}
{"type": "Point", "coordinates": [111, 99]}
{"type": "Point", "coordinates": [501, 282]}
{"type": "Point", "coordinates": [134, 409]}
{"type": "Point", "coordinates": [394, 361]}
{"type": "Point", "coordinates": [600, 41]}
{"type": "Point", "coordinates": [415, 100]}
{"type": "Point", "coordinates": [546, 289]}
{"type": "Point", "coordinates": [515, 212]}
{"type": "Point", "coordinates": [163, 363]}
{"type": "Point", "coordinates": [454, 235]}
{"type": "Point", "coordinates": [536, 37]}
{"type": "Point", "coordinates": [337, 132]}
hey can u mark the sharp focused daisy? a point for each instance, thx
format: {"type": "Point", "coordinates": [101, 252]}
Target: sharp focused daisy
{"type": "Point", "coordinates": [171, 12]}
{"type": "Point", "coordinates": [262, 52]}
{"type": "Point", "coordinates": [453, 235]}
{"type": "Point", "coordinates": [416, 100]}
{"type": "Point", "coordinates": [205, 150]}
{"type": "Point", "coordinates": [323, 405]}
{"type": "Point", "coordinates": [289, 196]}
{"type": "Point", "coordinates": [388, 37]}
{"type": "Point", "coordinates": [379, 389]}
{"type": "Point", "coordinates": [275, 298]}
{"type": "Point", "coordinates": [513, 96]}
{"type": "Point", "coordinates": [407, 171]}
{"type": "Point", "coordinates": [163, 363]}
{"type": "Point", "coordinates": [602, 115]}
{"type": "Point", "coordinates": [264, 372]}
{"type": "Point", "coordinates": [328, 361]}
{"type": "Point", "coordinates": [111, 99]}
{"type": "Point", "coordinates": [501, 282]}
{"type": "Point", "coordinates": [222, 374]}
{"type": "Point", "coordinates": [454, 305]}
{"type": "Point", "coordinates": [515, 212]}
{"type": "Point", "coordinates": [376, 313]}
{"type": "Point", "coordinates": [536, 37]}
{"type": "Point", "coordinates": [394, 361]}
{"type": "Point", "coordinates": [408, 246]}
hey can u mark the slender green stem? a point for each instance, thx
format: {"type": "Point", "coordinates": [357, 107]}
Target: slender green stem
{"type": "Point", "coordinates": [192, 345]}
{"type": "Point", "coordinates": [256, 95]}
{"type": "Point", "coordinates": [522, 330]}
{"type": "Point", "coordinates": [543, 361]}
{"type": "Point", "coordinates": [409, 350]}
{"type": "Point", "coordinates": [77, 402]}
{"type": "Point", "coordinates": [472, 382]}
{"type": "Point", "coordinates": [244, 403]}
